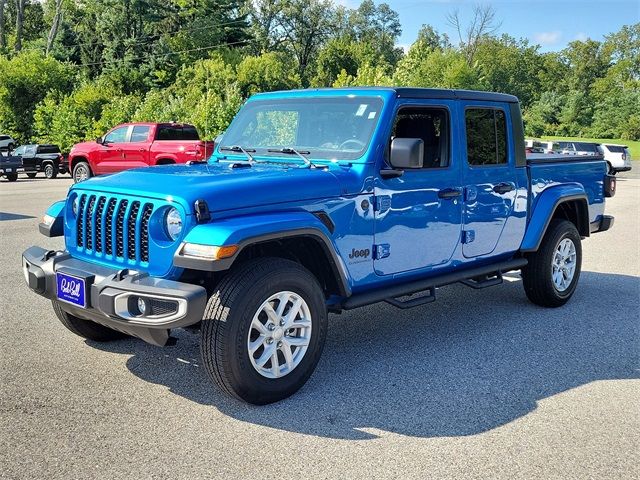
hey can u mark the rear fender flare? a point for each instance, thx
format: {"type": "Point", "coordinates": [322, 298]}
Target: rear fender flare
{"type": "Point", "coordinates": [544, 209]}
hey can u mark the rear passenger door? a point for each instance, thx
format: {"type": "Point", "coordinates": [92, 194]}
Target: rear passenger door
{"type": "Point", "coordinates": [489, 179]}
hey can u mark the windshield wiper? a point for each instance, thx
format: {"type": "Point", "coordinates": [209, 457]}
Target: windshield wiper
{"type": "Point", "coordinates": [239, 149]}
{"type": "Point", "coordinates": [293, 151]}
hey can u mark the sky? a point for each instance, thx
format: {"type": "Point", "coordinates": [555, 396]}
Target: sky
{"type": "Point", "coordinates": [552, 24]}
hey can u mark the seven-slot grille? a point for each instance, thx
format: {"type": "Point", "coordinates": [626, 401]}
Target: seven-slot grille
{"type": "Point", "coordinates": [115, 227]}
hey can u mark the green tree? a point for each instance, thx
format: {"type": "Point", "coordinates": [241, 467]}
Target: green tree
{"type": "Point", "coordinates": [26, 80]}
{"type": "Point", "coordinates": [267, 72]}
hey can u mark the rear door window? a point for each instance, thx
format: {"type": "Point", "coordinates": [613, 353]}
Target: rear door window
{"type": "Point", "coordinates": [615, 148]}
{"type": "Point", "coordinates": [486, 137]}
{"type": "Point", "coordinates": [140, 133]}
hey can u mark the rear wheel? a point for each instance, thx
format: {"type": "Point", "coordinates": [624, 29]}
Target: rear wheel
{"type": "Point", "coordinates": [50, 171]}
{"type": "Point", "coordinates": [31, 174]}
{"type": "Point", "coordinates": [264, 330]}
{"type": "Point", "coordinates": [81, 172]}
{"type": "Point", "coordinates": [552, 274]}
{"type": "Point", "coordinates": [86, 328]}
{"type": "Point", "coordinates": [610, 169]}
{"type": "Point", "coordinates": [12, 177]}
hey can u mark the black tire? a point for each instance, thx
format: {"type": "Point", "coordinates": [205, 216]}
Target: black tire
{"type": "Point", "coordinates": [50, 171]}
{"type": "Point", "coordinates": [86, 328]}
{"type": "Point", "coordinates": [537, 275]}
{"type": "Point", "coordinates": [12, 177]}
{"type": "Point", "coordinates": [610, 169]}
{"type": "Point", "coordinates": [226, 325]}
{"type": "Point", "coordinates": [31, 174]}
{"type": "Point", "coordinates": [81, 172]}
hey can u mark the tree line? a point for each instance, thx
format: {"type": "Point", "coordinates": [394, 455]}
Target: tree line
{"type": "Point", "coordinates": [72, 69]}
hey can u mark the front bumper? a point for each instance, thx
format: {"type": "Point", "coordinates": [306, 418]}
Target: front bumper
{"type": "Point", "coordinates": [109, 294]}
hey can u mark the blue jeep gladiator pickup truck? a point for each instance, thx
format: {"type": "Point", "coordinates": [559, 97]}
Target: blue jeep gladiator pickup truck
{"type": "Point", "coordinates": [317, 201]}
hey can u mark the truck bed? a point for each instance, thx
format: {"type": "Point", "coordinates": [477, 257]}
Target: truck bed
{"type": "Point", "coordinates": [548, 170]}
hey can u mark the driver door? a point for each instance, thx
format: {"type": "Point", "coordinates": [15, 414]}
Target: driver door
{"type": "Point", "coordinates": [112, 150]}
{"type": "Point", "coordinates": [418, 215]}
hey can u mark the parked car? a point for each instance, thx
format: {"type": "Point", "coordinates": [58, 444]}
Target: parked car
{"type": "Point", "coordinates": [617, 157]}
{"type": "Point", "coordinates": [10, 167]}
{"type": "Point", "coordinates": [576, 148]}
{"type": "Point", "coordinates": [540, 146]}
{"type": "Point", "coordinates": [318, 201]}
{"type": "Point", "coordinates": [134, 145]}
{"type": "Point", "coordinates": [41, 158]}
{"type": "Point", "coordinates": [6, 143]}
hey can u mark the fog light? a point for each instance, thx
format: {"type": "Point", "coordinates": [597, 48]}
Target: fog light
{"type": "Point", "coordinates": [142, 305]}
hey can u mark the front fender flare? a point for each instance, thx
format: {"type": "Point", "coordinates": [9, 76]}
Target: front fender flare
{"type": "Point", "coordinates": [250, 230]}
{"type": "Point", "coordinates": [544, 208]}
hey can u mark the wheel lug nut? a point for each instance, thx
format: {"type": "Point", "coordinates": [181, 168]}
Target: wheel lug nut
{"type": "Point", "coordinates": [269, 341]}
{"type": "Point", "coordinates": [271, 327]}
{"type": "Point", "coordinates": [282, 323]}
{"type": "Point", "coordinates": [279, 344]}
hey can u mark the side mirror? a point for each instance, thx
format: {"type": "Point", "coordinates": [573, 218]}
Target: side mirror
{"type": "Point", "coordinates": [99, 140]}
{"type": "Point", "coordinates": [406, 153]}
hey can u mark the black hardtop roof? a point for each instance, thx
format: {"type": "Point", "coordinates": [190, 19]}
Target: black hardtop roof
{"type": "Point", "coordinates": [409, 92]}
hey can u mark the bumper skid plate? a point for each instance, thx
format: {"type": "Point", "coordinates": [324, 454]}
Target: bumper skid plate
{"type": "Point", "coordinates": [128, 301]}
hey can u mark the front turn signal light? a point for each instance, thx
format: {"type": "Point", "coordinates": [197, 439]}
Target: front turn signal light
{"type": "Point", "coordinates": [210, 252]}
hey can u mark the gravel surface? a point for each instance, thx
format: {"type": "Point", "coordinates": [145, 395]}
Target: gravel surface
{"type": "Point", "coordinates": [480, 384]}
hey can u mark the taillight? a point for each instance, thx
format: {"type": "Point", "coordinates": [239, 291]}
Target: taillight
{"type": "Point", "coordinates": [624, 157]}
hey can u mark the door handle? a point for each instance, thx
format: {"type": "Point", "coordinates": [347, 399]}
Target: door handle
{"type": "Point", "coordinates": [449, 193]}
{"type": "Point", "coordinates": [504, 187]}
{"type": "Point", "coordinates": [141, 149]}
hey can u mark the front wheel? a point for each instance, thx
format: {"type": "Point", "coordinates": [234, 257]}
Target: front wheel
{"type": "Point", "coordinates": [12, 177]}
{"type": "Point", "coordinates": [552, 274]}
{"type": "Point", "coordinates": [81, 172]}
{"type": "Point", "coordinates": [263, 330]}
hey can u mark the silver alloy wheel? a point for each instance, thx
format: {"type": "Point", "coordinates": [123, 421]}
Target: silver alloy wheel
{"type": "Point", "coordinates": [279, 334]}
{"type": "Point", "coordinates": [563, 264]}
{"type": "Point", "coordinates": [48, 171]}
{"type": "Point", "coordinates": [81, 174]}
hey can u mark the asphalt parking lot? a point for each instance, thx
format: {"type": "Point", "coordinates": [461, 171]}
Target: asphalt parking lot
{"type": "Point", "coordinates": [480, 384]}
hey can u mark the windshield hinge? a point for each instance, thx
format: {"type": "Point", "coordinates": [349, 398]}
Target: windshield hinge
{"type": "Point", "coordinates": [202, 211]}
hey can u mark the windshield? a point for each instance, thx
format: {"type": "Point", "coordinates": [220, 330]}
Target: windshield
{"type": "Point", "coordinates": [323, 128]}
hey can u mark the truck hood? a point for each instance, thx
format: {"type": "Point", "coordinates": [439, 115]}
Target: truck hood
{"type": "Point", "coordinates": [83, 147]}
{"type": "Point", "coordinates": [224, 187]}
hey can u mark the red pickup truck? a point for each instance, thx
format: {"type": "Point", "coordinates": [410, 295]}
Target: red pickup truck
{"type": "Point", "coordinates": [133, 145]}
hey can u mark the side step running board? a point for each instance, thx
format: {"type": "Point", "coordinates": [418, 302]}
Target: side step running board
{"type": "Point", "coordinates": [413, 302]}
{"type": "Point", "coordinates": [484, 281]}
{"type": "Point", "coordinates": [478, 277]}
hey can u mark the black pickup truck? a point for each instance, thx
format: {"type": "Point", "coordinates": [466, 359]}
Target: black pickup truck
{"type": "Point", "coordinates": [41, 158]}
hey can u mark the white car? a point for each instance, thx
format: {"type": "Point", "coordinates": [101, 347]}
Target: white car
{"type": "Point", "coordinates": [7, 143]}
{"type": "Point", "coordinates": [617, 157]}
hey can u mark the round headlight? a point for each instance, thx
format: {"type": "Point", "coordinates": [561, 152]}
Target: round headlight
{"type": "Point", "coordinates": [75, 205]}
{"type": "Point", "coordinates": [173, 223]}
